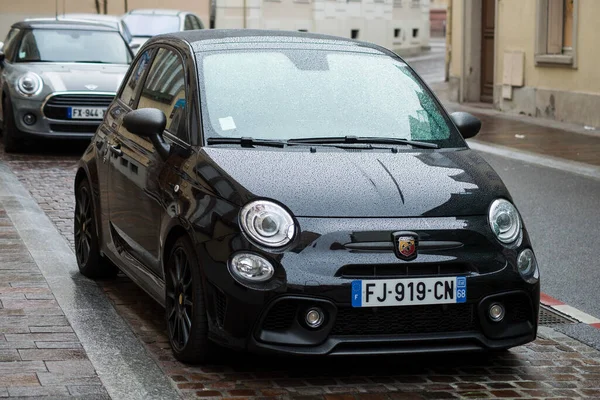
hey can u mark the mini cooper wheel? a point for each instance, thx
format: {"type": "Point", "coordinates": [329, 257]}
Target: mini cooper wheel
{"type": "Point", "coordinates": [187, 324]}
{"type": "Point", "coordinates": [90, 261]}
{"type": "Point", "coordinates": [9, 128]}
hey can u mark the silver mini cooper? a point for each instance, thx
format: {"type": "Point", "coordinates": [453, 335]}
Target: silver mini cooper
{"type": "Point", "coordinates": [57, 78]}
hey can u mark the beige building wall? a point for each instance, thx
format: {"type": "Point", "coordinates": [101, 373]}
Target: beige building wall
{"type": "Point", "coordinates": [569, 93]}
{"type": "Point", "coordinates": [12, 11]}
{"type": "Point", "coordinates": [375, 20]}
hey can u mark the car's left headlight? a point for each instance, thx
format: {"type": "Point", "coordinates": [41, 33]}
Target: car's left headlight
{"type": "Point", "coordinates": [267, 223]}
{"type": "Point", "coordinates": [505, 221]}
{"type": "Point", "coordinates": [30, 84]}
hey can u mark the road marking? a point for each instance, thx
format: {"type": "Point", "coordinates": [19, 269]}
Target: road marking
{"type": "Point", "coordinates": [569, 311]}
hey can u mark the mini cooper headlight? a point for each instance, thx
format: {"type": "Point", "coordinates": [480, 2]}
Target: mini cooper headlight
{"type": "Point", "coordinates": [30, 84]}
{"type": "Point", "coordinates": [527, 266]}
{"type": "Point", "coordinates": [267, 223]}
{"type": "Point", "coordinates": [505, 221]}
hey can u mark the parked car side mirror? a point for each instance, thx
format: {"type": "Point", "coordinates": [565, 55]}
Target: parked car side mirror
{"type": "Point", "coordinates": [135, 46]}
{"type": "Point", "coordinates": [149, 123]}
{"type": "Point", "coordinates": [467, 124]}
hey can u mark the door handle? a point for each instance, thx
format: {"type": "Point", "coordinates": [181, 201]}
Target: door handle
{"type": "Point", "coordinates": [116, 150]}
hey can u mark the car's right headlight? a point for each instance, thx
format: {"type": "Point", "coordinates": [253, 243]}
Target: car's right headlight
{"type": "Point", "coordinates": [30, 84]}
{"type": "Point", "coordinates": [505, 221]}
{"type": "Point", "coordinates": [267, 224]}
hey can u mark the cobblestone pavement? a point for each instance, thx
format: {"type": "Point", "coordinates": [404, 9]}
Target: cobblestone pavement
{"type": "Point", "coordinates": [40, 355]}
{"type": "Point", "coordinates": [554, 366]}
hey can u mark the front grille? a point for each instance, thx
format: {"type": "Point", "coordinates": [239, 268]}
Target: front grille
{"type": "Point", "coordinates": [281, 316]}
{"type": "Point", "coordinates": [360, 271]}
{"type": "Point", "coordinates": [68, 128]}
{"type": "Point", "coordinates": [56, 106]}
{"type": "Point", "coordinates": [405, 320]}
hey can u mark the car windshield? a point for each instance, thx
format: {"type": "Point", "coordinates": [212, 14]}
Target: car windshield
{"type": "Point", "coordinates": [149, 24]}
{"type": "Point", "coordinates": [70, 45]}
{"type": "Point", "coordinates": [293, 94]}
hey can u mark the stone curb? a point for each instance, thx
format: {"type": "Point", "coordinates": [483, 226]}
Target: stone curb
{"type": "Point", "coordinates": [123, 365]}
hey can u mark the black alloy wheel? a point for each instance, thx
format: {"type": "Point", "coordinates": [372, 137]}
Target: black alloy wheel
{"type": "Point", "coordinates": [184, 307]}
{"type": "Point", "coordinates": [90, 261]}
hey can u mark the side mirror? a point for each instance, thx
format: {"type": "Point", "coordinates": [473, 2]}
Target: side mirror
{"type": "Point", "coordinates": [135, 46]}
{"type": "Point", "coordinates": [149, 123]}
{"type": "Point", "coordinates": [467, 124]}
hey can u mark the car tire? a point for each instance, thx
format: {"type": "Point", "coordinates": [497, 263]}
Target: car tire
{"type": "Point", "coordinates": [9, 129]}
{"type": "Point", "coordinates": [185, 311]}
{"type": "Point", "coordinates": [87, 251]}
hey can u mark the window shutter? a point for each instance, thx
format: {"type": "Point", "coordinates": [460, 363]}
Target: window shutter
{"type": "Point", "coordinates": [555, 26]}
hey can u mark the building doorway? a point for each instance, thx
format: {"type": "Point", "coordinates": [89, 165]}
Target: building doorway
{"type": "Point", "coordinates": [488, 19]}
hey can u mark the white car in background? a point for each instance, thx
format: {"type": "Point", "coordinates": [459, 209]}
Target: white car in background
{"type": "Point", "coordinates": [145, 23]}
{"type": "Point", "coordinates": [112, 20]}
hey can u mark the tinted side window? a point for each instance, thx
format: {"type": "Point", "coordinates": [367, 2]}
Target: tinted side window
{"type": "Point", "coordinates": [130, 89]}
{"type": "Point", "coordinates": [196, 22]}
{"type": "Point", "coordinates": [188, 25]}
{"type": "Point", "coordinates": [165, 89]}
{"type": "Point", "coordinates": [10, 43]}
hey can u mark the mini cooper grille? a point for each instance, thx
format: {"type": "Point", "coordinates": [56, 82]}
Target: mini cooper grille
{"type": "Point", "coordinates": [405, 319]}
{"type": "Point", "coordinates": [281, 316]}
{"type": "Point", "coordinates": [56, 106]}
{"type": "Point", "coordinates": [357, 271]}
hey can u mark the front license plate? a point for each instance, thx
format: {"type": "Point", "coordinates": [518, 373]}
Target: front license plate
{"type": "Point", "coordinates": [86, 112]}
{"type": "Point", "coordinates": [406, 292]}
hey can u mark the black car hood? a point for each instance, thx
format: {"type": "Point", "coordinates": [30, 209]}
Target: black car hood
{"type": "Point", "coordinates": [354, 183]}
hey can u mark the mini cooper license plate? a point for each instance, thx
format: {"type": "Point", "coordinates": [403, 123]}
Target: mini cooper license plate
{"type": "Point", "coordinates": [405, 292]}
{"type": "Point", "coordinates": [86, 112]}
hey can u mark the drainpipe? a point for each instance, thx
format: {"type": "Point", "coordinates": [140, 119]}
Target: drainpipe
{"type": "Point", "coordinates": [463, 71]}
{"type": "Point", "coordinates": [448, 32]}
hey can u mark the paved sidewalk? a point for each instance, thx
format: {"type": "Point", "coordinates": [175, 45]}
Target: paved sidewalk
{"type": "Point", "coordinates": [40, 355]}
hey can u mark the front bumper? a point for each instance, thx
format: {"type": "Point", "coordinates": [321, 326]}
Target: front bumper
{"type": "Point", "coordinates": [44, 126]}
{"type": "Point", "coordinates": [320, 271]}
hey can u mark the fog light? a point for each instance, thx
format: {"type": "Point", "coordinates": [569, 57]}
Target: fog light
{"type": "Point", "coordinates": [29, 119]}
{"type": "Point", "coordinates": [496, 312]}
{"type": "Point", "coordinates": [527, 266]}
{"type": "Point", "coordinates": [251, 267]}
{"type": "Point", "coordinates": [314, 317]}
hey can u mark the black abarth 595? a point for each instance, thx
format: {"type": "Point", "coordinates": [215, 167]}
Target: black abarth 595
{"type": "Point", "coordinates": [303, 194]}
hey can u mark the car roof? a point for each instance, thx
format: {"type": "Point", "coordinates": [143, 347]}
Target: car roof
{"type": "Point", "coordinates": [206, 39]}
{"type": "Point", "coordinates": [156, 11]}
{"type": "Point", "coordinates": [91, 17]}
{"type": "Point", "coordinates": [52, 23]}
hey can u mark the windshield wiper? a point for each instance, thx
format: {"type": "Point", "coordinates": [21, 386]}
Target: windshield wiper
{"type": "Point", "coordinates": [245, 141]}
{"type": "Point", "coordinates": [358, 139]}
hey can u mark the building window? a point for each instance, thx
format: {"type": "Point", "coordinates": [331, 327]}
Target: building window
{"type": "Point", "coordinates": [415, 3]}
{"type": "Point", "coordinates": [398, 3]}
{"type": "Point", "coordinates": [556, 40]}
{"type": "Point", "coordinates": [415, 32]}
{"type": "Point", "coordinates": [397, 32]}
{"type": "Point", "coordinates": [354, 33]}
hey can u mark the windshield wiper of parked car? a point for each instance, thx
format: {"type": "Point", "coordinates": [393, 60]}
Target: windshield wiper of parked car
{"type": "Point", "coordinates": [245, 141]}
{"type": "Point", "coordinates": [359, 139]}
